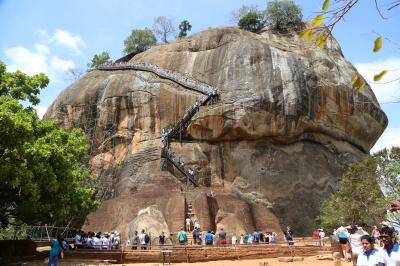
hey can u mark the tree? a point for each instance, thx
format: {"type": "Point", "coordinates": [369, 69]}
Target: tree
{"type": "Point", "coordinates": [73, 74]}
{"type": "Point", "coordinates": [20, 86]}
{"type": "Point", "coordinates": [320, 31]}
{"type": "Point", "coordinates": [44, 176]}
{"type": "Point", "coordinates": [243, 11]}
{"type": "Point", "coordinates": [359, 198]}
{"type": "Point", "coordinates": [139, 41]}
{"type": "Point", "coordinates": [97, 60]}
{"type": "Point", "coordinates": [389, 177]}
{"type": "Point", "coordinates": [284, 16]}
{"type": "Point", "coordinates": [184, 27]}
{"type": "Point", "coordinates": [252, 21]}
{"type": "Point", "coordinates": [163, 27]}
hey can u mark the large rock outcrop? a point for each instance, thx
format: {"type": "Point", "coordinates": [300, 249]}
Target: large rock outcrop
{"type": "Point", "coordinates": [273, 147]}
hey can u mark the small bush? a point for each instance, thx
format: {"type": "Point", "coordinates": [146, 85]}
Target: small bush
{"type": "Point", "coordinates": [284, 16]}
{"type": "Point", "coordinates": [252, 21]}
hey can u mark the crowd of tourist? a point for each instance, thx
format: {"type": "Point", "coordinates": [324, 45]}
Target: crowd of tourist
{"type": "Point", "coordinates": [91, 240]}
{"type": "Point", "coordinates": [380, 247]}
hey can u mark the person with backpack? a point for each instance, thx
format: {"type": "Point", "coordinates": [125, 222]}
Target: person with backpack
{"type": "Point", "coordinates": [182, 237]}
{"type": "Point", "coordinates": [161, 239]}
{"type": "Point", "coordinates": [209, 238]}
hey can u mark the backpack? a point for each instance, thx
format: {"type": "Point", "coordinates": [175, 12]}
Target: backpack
{"type": "Point", "coordinates": [146, 238]}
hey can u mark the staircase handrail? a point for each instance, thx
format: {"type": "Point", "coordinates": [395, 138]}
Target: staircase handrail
{"type": "Point", "coordinates": [180, 78]}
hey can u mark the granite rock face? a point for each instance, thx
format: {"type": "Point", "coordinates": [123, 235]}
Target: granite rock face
{"type": "Point", "coordinates": [272, 148]}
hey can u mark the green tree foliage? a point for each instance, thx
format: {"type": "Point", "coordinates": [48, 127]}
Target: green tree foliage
{"type": "Point", "coordinates": [44, 174]}
{"type": "Point", "coordinates": [184, 27]}
{"type": "Point", "coordinates": [389, 176]}
{"type": "Point", "coordinates": [359, 198]}
{"type": "Point", "coordinates": [139, 41]}
{"type": "Point", "coordinates": [97, 60]}
{"type": "Point", "coordinates": [284, 16]}
{"type": "Point", "coordinates": [20, 86]}
{"type": "Point", "coordinates": [252, 21]}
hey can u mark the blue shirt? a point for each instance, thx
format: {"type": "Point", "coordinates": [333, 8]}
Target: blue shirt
{"type": "Point", "coordinates": [55, 248]}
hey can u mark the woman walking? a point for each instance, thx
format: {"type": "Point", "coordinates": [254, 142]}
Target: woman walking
{"type": "Point", "coordinates": [56, 251]}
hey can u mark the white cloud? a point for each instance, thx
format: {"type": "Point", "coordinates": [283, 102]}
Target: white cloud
{"type": "Point", "coordinates": [63, 38]}
{"type": "Point", "coordinates": [385, 90]}
{"type": "Point", "coordinates": [39, 60]}
{"type": "Point", "coordinates": [60, 64]}
{"type": "Point", "coordinates": [30, 62]}
{"type": "Point", "coordinates": [388, 139]}
{"type": "Point", "coordinates": [40, 110]}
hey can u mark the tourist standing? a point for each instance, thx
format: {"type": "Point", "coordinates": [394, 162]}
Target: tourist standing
{"type": "Point", "coordinates": [289, 236]}
{"type": "Point", "coordinates": [209, 238]}
{"type": "Point", "coordinates": [222, 237]}
{"type": "Point", "coordinates": [135, 241]}
{"type": "Point", "coordinates": [316, 235]}
{"type": "Point", "coordinates": [241, 239]}
{"type": "Point", "coordinates": [161, 239]}
{"type": "Point", "coordinates": [182, 237]}
{"type": "Point", "coordinates": [234, 239]}
{"type": "Point", "coordinates": [321, 236]}
{"type": "Point", "coordinates": [142, 239]}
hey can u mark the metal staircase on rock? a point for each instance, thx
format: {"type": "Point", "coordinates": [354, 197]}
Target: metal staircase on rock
{"type": "Point", "coordinates": [178, 129]}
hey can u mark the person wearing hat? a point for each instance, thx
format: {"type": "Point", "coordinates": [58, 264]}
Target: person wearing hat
{"type": "Point", "coordinates": [321, 236]}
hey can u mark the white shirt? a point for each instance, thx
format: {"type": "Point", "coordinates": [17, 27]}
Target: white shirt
{"type": "Point", "coordinates": [355, 241]}
{"type": "Point", "coordinates": [234, 240]}
{"type": "Point", "coordinates": [106, 242]}
{"type": "Point", "coordinates": [96, 242]}
{"type": "Point", "coordinates": [369, 260]}
{"type": "Point", "coordinates": [78, 239]}
{"type": "Point", "coordinates": [241, 240]}
{"type": "Point", "coordinates": [187, 221]}
{"type": "Point", "coordinates": [394, 258]}
{"type": "Point", "coordinates": [141, 238]}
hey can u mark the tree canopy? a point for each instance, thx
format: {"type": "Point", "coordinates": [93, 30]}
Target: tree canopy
{"type": "Point", "coordinates": [359, 198]}
{"type": "Point", "coordinates": [252, 21]}
{"type": "Point", "coordinates": [184, 27]}
{"type": "Point", "coordinates": [365, 192]}
{"type": "Point", "coordinates": [139, 41]}
{"type": "Point", "coordinates": [44, 174]}
{"type": "Point", "coordinates": [97, 60]}
{"type": "Point", "coordinates": [284, 16]}
{"type": "Point", "coordinates": [20, 86]}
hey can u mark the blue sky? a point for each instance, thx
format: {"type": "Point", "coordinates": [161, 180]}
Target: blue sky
{"type": "Point", "coordinates": [51, 36]}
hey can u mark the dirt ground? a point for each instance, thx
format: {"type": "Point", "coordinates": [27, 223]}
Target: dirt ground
{"type": "Point", "coordinates": [311, 261]}
{"type": "Point", "coordinates": [308, 261]}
